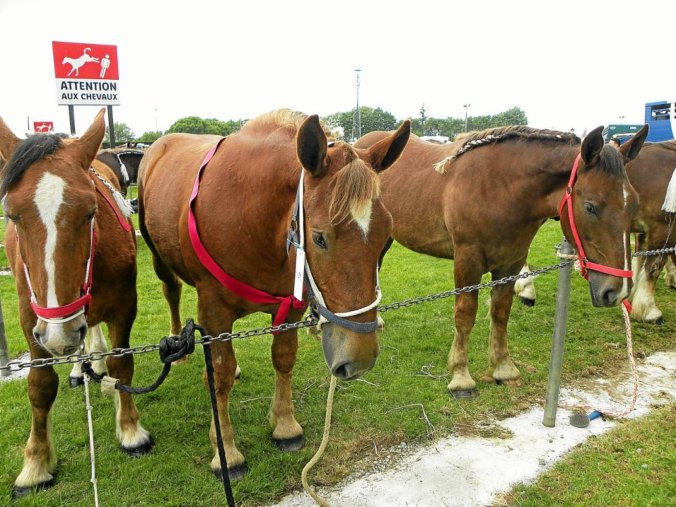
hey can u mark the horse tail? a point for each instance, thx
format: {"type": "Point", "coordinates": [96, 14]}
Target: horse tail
{"type": "Point", "coordinates": [669, 205]}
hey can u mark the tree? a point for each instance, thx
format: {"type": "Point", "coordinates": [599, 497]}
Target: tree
{"type": "Point", "coordinates": [149, 137]}
{"type": "Point", "coordinates": [122, 133]}
{"type": "Point", "coordinates": [197, 125]}
{"type": "Point", "coordinates": [371, 120]}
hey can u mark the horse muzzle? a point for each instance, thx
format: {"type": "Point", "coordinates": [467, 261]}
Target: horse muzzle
{"type": "Point", "coordinates": [348, 354]}
{"type": "Point", "coordinates": [61, 339]}
{"type": "Point", "coordinates": [607, 290]}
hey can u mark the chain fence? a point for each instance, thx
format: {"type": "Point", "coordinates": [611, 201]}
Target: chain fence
{"type": "Point", "coordinates": [310, 321]}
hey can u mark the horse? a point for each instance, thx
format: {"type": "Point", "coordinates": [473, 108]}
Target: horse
{"type": "Point", "coordinates": [229, 217]}
{"type": "Point", "coordinates": [73, 256]}
{"type": "Point", "coordinates": [653, 176]}
{"type": "Point", "coordinates": [76, 63]}
{"type": "Point", "coordinates": [484, 204]}
{"type": "Point", "coordinates": [124, 162]}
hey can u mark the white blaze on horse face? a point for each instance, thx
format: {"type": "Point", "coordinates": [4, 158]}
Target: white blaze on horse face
{"type": "Point", "coordinates": [362, 216]}
{"type": "Point", "coordinates": [48, 199]}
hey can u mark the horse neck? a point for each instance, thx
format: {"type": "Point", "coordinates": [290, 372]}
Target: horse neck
{"type": "Point", "coordinates": [552, 175]}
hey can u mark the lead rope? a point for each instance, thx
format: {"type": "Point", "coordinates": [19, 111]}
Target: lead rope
{"type": "Point", "coordinates": [90, 424]}
{"type": "Point", "coordinates": [325, 440]}
{"type": "Point", "coordinates": [630, 355]}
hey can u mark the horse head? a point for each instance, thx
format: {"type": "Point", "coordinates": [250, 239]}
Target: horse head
{"type": "Point", "coordinates": [603, 204]}
{"type": "Point", "coordinates": [51, 202]}
{"type": "Point", "coordinates": [347, 227]}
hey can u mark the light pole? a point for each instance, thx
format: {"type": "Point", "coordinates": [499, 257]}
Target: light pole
{"type": "Point", "coordinates": [466, 106]}
{"type": "Point", "coordinates": [356, 119]}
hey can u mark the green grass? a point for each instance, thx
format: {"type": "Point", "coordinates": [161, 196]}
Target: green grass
{"type": "Point", "coordinates": [368, 417]}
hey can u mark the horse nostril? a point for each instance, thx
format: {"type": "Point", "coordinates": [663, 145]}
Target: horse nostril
{"type": "Point", "coordinates": [38, 337]}
{"type": "Point", "coordinates": [83, 332]}
{"type": "Point", "coordinates": [609, 297]}
{"type": "Point", "coordinates": [342, 372]}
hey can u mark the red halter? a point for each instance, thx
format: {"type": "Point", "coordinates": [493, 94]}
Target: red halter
{"type": "Point", "coordinates": [65, 313]}
{"type": "Point", "coordinates": [229, 282]}
{"type": "Point", "coordinates": [585, 264]}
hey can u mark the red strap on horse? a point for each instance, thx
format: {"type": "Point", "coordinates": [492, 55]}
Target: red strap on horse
{"type": "Point", "coordinates": [585, 265]}
{"type": "Point", "coordinates": [243, 290]}
{"type": "Point", "coordinates": [118, 214]}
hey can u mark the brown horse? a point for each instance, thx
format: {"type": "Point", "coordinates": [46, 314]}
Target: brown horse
{"type": "Point", "coordinates": [485, 203]}
{"type": "Point", "coordinates": [241, 233]}
{"type": "Point", "coordinates": [73, 256]}
{"type": "Point", "coordinates": [651, 174]}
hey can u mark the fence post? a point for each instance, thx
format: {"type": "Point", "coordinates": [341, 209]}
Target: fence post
{"type": "Point", "coordinates": [4, 356]}
{"type": "Point", "coordinates": [558, 339]}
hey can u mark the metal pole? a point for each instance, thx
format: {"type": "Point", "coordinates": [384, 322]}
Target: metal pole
{"type": "Point", "coordinates": [71, 116]}
{"type": "Point", "coordinates": [556, 359]}
{"type": "Point", "coordinates": [111, 127]}
{"type": "Point", "coordinates": [4, 356]}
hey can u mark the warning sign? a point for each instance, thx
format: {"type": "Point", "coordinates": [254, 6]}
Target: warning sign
{"type": "Point", "coordinates": [86, 74]}
{"type": "Point", "coordinates": [43, 127]}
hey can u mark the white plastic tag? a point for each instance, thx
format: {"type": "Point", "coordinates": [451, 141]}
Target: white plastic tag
{"type": "Point", "coordinates": [300, 271]}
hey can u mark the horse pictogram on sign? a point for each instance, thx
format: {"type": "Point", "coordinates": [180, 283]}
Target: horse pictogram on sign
{"type": "Point", "coordinates": [42, 127]}
{"type": "Point", "coordinates": [86, 74]}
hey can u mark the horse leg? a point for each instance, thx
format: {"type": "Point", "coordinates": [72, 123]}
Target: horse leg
{"type": "Point", "coordinates": [525, 287]}
{"type": "Point", "coordinates": [644, 308]}
{"type": "Point", "coordinates": [134, 439]}
{"type": "Point", "coordinates": [224, 365]}
{"type": "Point", "coordinates": [39, 460]}
{"type": "Point", "coordinates": [94, 342]}
{"type": "Point", "coordinates": [286, 432]}
{"type": "Point", "coordinates": [466, 272]}
{"type": "Point", "coordinates": [502, 369]}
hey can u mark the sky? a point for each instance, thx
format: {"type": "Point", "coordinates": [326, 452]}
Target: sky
{"type": "Point", "coordinates": [569, 64]}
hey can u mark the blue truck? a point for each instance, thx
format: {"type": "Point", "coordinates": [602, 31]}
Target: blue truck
{"type": "Point", "coordinates": [660, 117]}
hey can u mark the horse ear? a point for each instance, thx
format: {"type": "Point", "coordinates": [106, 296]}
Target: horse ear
{"type": "Point", "coordinates": [386, 152]}
{"type": "Point", "coordinates": [631, 148]}
{"type": "Point", "coordinates": [311, 146]}
{"type": "Point", "coordinates": [592, 145]}
{"type": "Point", "coordinates": [88, 145]}
{"type": "Point", "coordinates": [8, 141]}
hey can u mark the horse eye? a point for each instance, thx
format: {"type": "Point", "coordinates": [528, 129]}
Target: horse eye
{"type": "Point", "coordinates": [318, 239]}
{"type": "Point", "coordinates": [590, 208]}
{"type": "Point", "coordinates": [91, 214]}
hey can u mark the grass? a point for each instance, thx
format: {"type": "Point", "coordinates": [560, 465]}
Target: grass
{"type": "Point", "coordinates": [370, 416]}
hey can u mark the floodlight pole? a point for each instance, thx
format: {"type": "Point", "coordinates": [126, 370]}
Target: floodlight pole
{"type": "Point", "coordinates": [356, 122]}
{"type": "Point", "coordinates": [466, 106]}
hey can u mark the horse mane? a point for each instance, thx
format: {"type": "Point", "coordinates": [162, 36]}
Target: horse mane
{"type": "Point", "coordinates": [355, 187]}
{"type": "Point", "coordinates": [32, 149]}
{"type": "Point", "coordinates": [279, 118]}
{"type": "Point", "coordinates": [472, 140]}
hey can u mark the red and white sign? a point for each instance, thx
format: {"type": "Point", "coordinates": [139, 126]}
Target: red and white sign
{"type": "Point", "coordinates": [86, 74]}
{"type": "Point", "coordinates": [42, 127]}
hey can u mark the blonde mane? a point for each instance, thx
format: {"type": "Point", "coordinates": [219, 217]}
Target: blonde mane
{"type": "Point", "coordinates": [355, 188]}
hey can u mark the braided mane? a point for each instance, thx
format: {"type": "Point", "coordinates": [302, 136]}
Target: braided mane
{"type": "Point", "coordinates": [472, 140]}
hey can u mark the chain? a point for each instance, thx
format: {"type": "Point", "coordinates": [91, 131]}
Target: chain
{"type": "Point", "coordinates": [309, 321]}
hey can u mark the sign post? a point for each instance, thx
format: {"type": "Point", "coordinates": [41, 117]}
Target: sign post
{"type": "Point", "coordinates": [87, 75]}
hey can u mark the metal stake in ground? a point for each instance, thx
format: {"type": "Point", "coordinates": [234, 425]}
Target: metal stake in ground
{"type": "Point", "coordinates": [4, 356]}
{"type": "Point", "coordinates": [558, 339]}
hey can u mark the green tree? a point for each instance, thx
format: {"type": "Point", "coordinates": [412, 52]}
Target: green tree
{"type": "Point", "coordinates": [122, 133]}
{"type": "Point", "coordinates": [371, 120]}
{"type": "Point", "coordinates": [197, 125]}
{"type": "Point", "coordinates": [149, 137]}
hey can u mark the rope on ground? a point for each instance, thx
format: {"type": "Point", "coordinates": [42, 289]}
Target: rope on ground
{"type": "Point", "coordinates": [90, 425]}
{"type": "Point", "coordinates": [325, 440]}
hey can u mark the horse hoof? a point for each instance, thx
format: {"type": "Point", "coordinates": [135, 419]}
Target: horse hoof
{"type": "Point", "coordinates": [76, 381]}
{"type": "Point", "coordinates": [509, 382]}
{"type": "Point", "coordinates": [234, 474]}
{"type": "Point", "coordinates": [528, 301]}
{"type": "Point", "coordinates": [137, 452]}
{"type": "Point", "coordinates": [20, 491]}
{"type": "Point", "coordinates": [659, 321]}
{"type": "Point", "coordinates": [290, 444]}
{"type": "Point", "coordinates": [465, 394]}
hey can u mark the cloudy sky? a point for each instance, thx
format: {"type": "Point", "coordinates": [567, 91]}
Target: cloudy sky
{"type": "Point", "coordinates": [568, 64]}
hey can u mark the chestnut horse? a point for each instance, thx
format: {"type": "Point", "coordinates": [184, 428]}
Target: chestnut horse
{"type": "Point", "coordinates": [651, 174]}
{"type": "Point", "coordinates": [238, 233]}
{"type": "Point", "coordinates": [73, 256]}
{"type": "Point", "coordinates": [485, 203]}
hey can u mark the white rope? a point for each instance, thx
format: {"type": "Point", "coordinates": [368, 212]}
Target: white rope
{"type": "Point", "coordinates": [90, 424]}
